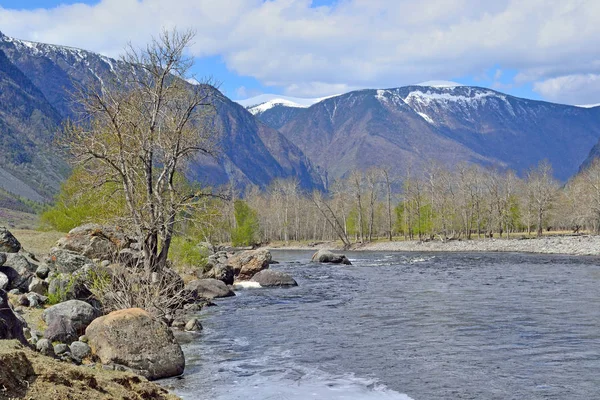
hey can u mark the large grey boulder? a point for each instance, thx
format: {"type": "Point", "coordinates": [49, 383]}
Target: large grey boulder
{"type": "Point", "coordinates": [326, 256]}
{"type": "Point", "coordinates": [2, 259]}
{"type": "Point", "coordinates": [66, 261]}
{"type": "Point", "coordinates": [19, 270]}
{"type": "Point", "coordinates": [8, 243]}
{"type": "Point", "coordinates": [269, 278]}
{"type": "Point", "coordinates": [221, 272]}
{"type": "Point", "coordinates": [208, 289]}
{"type": "Point", "coordinates": [67, 321]}
{"type": "Point", "coordinates": [132, 338]}
{"type": "Point", "coordinates": [95, 241]}
{"type": "Point", "coordinates": [11, 326]}
{"type": "Point", "coordinates": [247, 263]}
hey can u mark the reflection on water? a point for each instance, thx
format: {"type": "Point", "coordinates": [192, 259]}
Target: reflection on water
{"type": "Point", "coordinates": [443, 326]}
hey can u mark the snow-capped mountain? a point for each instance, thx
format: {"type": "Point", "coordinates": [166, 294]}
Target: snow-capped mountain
{"type": "Point", "coordinates": [410, 126]}
{"type": "Point", "coordinates": [252, 153]}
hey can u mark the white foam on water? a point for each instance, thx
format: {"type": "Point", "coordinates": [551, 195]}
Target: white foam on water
{"type": "Point", "coordinates": [289, 386]}
{"type": "Point", "coordinates": [246, 285]}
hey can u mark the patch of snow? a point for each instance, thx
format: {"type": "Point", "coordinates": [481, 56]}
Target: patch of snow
{"type": "Point", "coordinates": [427, 97]}
{"type": "Point", "coordinates": [261, 108]}
{"type": "Point", "coordinates": [588, 105]}
{"type": "Point", "coordinates": [264, 98]}
{"type": "Point", "coordinates": [426, 117]}
{"type": "Point", "coordinates": [439, 84]}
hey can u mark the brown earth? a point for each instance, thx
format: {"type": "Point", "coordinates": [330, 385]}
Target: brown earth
{"type": "Point", "coordinates": [29, 375]}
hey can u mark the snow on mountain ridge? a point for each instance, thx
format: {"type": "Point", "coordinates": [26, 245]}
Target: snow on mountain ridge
{"type": "Point", "coordinates": [267, 105]}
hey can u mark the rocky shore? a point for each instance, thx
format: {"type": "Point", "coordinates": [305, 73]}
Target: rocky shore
{"type": "Point", "coordinates": [89, 307]}
{"type": "Point", "coordinates": [582, 245]}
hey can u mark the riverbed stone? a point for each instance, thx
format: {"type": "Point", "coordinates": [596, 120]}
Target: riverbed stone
{"type": "Point", "coordinates": [132, 338]}
{"type": "Point", "coordinates": [326, 256]}
{"type": "Point", "coordinates": [193, 325]}
{"type": "Point", "coordinates": [208, 289]}
{"type": "Point", "coordinates": [247, 263]}
{"type": "Point", "coordinates": [269, 278]}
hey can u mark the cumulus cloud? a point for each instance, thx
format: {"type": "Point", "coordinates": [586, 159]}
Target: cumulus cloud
{"type": "Point", "coordinates": [579, 89]}
{"type": "Point", "coordinates": [315, 51]}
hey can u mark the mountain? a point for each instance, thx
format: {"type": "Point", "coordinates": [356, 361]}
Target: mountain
{"type": "Point", "coordinates": [408, 127]}
{"type": "Point", "coordinates": [275, 110]}
{"type": "Point", "coordinates": [252, 152]}
{"type": "Point", "coordinates": [28, 166]}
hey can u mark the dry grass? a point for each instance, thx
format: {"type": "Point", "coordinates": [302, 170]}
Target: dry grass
{"type": "Point", "coordinates": [27, 374]}
{"type": "Point", "coordinates": [37, 242]}
{"type": "Point", "coordinates": [17, 219]}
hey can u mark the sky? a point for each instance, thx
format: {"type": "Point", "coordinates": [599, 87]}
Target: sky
{"type": "Point", "coordinates": [538, 49]}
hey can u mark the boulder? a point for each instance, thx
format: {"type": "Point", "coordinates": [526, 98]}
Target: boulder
{"type": "Point", "coordinates": [326, 256]}
{"type": "Point", "coordinates": [42, 271]}
{"type": "Point", "coordinates": [193, 325]}
{"type": "Point", "coordinates": [95, 241]}
{"type": "Point", "coordinates": [36, 300]}
{"type": "Point", "coordinates": [11, 326]}
{"type": "Point", "coordinates": [60, 348]}
{"type": "Point", "coordinates": [80, 350]}
{"type": "Point", "coordinates": [65, 287]}
{"type": "Point", "coordinates": [208, 289]}
{"type": "Point", "coordinates": [134, 339]}
{"type": "Point", "coordinates": [17, 280]}
{"type": "Point", "coordinates": [38, 286]}
{"type": "Point", "coordinates": [67, 321]}
{"type": "Point", "coordinates": [269, 277]}
{"type": "Point", "coordinates": [247, 263]}
{"type": "Point", "coordinates": [221, 272]}
{"type": "Point", "coordinates": [45, 347]}
{"type": "Point", "coordinates": [66, 261]}
{"type": "Point", "coordinates": [2, 259]}
{"type": "Point", "coordinates": [3, 281]}
{"type": "Point", "coordinates": [8, 243]}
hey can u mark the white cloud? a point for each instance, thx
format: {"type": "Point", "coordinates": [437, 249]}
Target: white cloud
{"type": "Point", "coordinates": [572, 89]}
{"type": "Point", "coordinates": [354, 43]}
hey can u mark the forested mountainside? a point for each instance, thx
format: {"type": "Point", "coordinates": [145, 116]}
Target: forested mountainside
{"type": "Point", "coordinates": [38, 81]}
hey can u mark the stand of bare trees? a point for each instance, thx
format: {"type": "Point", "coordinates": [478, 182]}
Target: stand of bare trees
{"type": "Point", "coordinates": [438, 204]}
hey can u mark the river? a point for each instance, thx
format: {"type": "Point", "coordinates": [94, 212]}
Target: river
{"type": "Point", "coordinates": [406, 326]}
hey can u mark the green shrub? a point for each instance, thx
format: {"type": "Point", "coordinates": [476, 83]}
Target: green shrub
{"type": "Point", "coordinates": [185, 252]}
{"type": "Point", "coordinates": [244, 234]}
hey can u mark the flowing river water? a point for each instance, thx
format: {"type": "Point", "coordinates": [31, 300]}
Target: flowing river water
{"type": "Point", "coordinates": [406, 326]}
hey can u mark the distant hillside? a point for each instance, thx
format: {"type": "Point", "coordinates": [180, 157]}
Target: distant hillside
{"type": "Point", "coordinates": [408, 127]}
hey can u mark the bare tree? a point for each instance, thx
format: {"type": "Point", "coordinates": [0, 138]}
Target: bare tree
{"type": "Point", "coordinates": [386, 173]}
{"type": "Point", "coordinates": [139, 132]}
{"type": "Point", "coordinates": [542, 190]}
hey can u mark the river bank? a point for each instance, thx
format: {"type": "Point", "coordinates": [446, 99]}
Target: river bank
{"type": "Point", "coordinates": [571, 245]}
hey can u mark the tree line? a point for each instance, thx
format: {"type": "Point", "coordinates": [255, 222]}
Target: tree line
{"type": "Point", "coordinates": [438, 203]}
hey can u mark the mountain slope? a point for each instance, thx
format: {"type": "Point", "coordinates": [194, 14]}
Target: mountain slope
{"type": "Point", "coordinates": [28, 122]}
{"type": "Point", "coordinates": [252, 153]}
{"type": "Point", "coordinates": [408, 127]}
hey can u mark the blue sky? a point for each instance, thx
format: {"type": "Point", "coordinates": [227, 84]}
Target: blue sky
{"type": "Point", "coordinates": [540, 49]}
